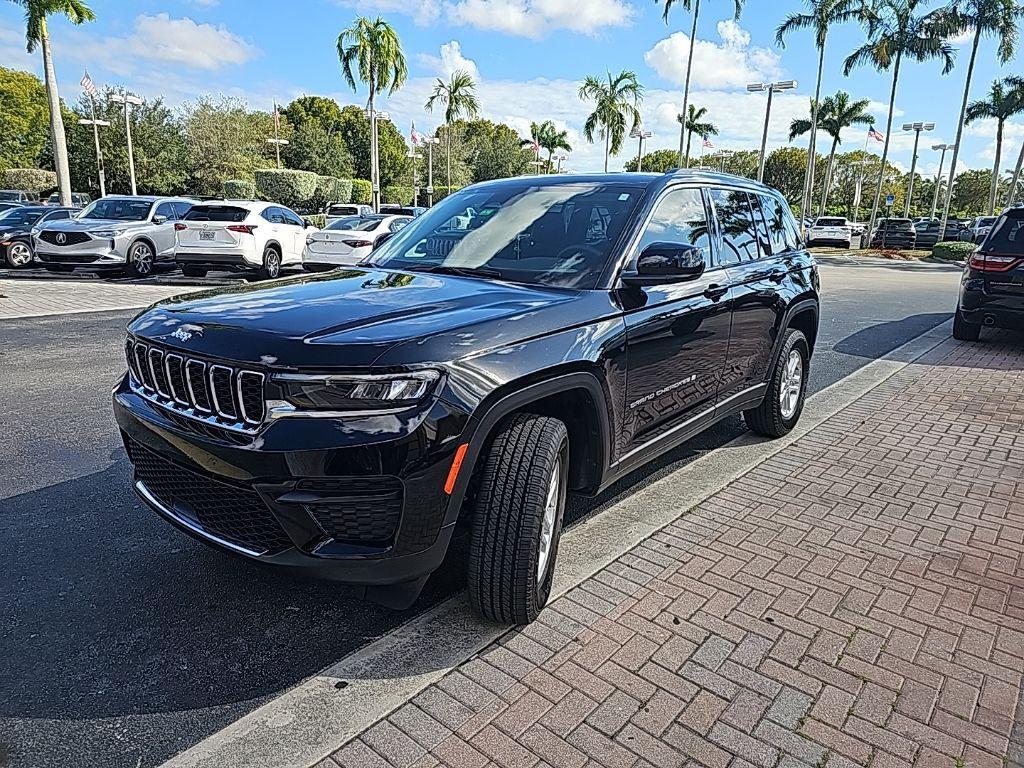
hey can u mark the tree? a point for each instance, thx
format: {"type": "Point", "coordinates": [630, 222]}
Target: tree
{"type": "Point", "coordinates": [971, 192]}
{"type": "Point", "coordinates": [494, 151]}
{"type": "Point", "coordinates": [822, 15]}
{"type": "Point", "coordinates": [1003, 102]}
{"type": "Point", "coordinates": [988, 18]}
{"type": "Point", "coordinates": [38, 34]}
{"type": "Point", "coordinates": [23, 129]}
{"type": "Point", "coordinates": [694, 7]}
{"type": "Point", "coordinates": [546, 136]}
{"type": "Point", "coordinates": [393, 165]}
{"type": "Point", "coordinates": [616, 103]}
{"type": "Point", "coordinates": [458, 97]}
{"type": "Point", "coordinates": [1018, 85]}
{"type": "Point", "coordinates": [784, 169]}
{"type": "Point", "coordinates": [374, 47]}
{"type": "Point", "coordinates": [658, 161]}
{"type": "Point", "coordinates": [835, 115]}
{"type": "Point", "coordinates": [315, 148]}
{"type": "Point", "coordinates": [896, 31]}
{"type": "Point", "coordinates": [694, 125]}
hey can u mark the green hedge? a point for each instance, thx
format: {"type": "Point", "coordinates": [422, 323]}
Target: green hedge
{"type": "Point", "coordinates": [331, 190]}
{"type": "Point", "coordinates": [400, 194]}
{"type": "Point", "coordinates": [953, 251]}
{"type": "Point", "coordinates": [362, 192]}
{"type": "Point", "coordinates": [317, 220]}
{"type": "Point", "coordinates": [239, 189]}
{"type": "Point", "coordinates": [291, 188]}
{"type": "Point", "coordinates": [29, 180]}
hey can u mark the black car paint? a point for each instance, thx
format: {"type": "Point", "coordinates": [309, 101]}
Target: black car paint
{"type": "Point", "coordinates": [994, 297]}
{"type": "Point", "coordinates": [609, 361]}
{"type": "Point", "coordinates": [23, 232]}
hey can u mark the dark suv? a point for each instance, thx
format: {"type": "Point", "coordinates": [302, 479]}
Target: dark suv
{"type": "Point", "coordinates": [992, 287]}
{"type": "Point", "coordinates": [522, 339]}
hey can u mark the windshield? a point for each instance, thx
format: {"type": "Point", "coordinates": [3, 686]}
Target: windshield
{"type": "Point", "coordinates": [356, 223]}
{"type": "Point", "coordinates": [342, 210]}
{"type": "Point", "coordinates": [548, 234]}
{"type": "Point", "coordinates": [830, 223]}
{"type": "Point", "coordinates": [118, 209]}
{"type": "Point", "coordinates": [1007, 236]}
{"type": "Point", "coordinates": [987, 221]}
{"type": "Point", "coordinates": [7, 195]}
{"type": "Point", "coordinates": [20, 217]}
{"type": "Point", "coordinates": [216, 213]}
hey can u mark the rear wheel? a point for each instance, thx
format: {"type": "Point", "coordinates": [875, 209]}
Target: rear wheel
{"type": "Point", "coordinates": [19, 254]}
{"type": "Point", "coordinates": [963, 330]}
{"type": "Point", "coordinates": [193, 271]}
{"type": "Point", "coordinates": [271, 263]}
{"type": "Point", "coordinates": [780, 410]}
{"type": "Point", "coordinates": [518, 521]}
{"type": "Point", "coordinates": [140, 260]}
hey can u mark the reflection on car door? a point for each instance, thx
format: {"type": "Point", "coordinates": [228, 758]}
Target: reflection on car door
{"type": "Point", "coordinates": [756, 269]}
{"type": "Point", "coordinates": [676, 334]}
{"type": "Point", "coordinates": [163, 234]}
{"type": "Point", "coordinates": [296, 229]}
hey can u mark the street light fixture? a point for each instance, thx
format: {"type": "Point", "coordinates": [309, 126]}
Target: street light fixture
{"type": "Point", "coordinates": [374, 116]}
{"type": "Point", "coordinates": [96, 125]}
{"type": "Point", "coordinates": [640, 134]}
{"type": "Point", "coordinates": [430, 141]}
{"type": "Point", "coordinates": [560, 159]}
{"type": "Point", "coordinates": [724, 154]}
{"type": "Point", "coordinates": [916, 128]}
{"type": "Point", "coordinates": [127, 99]}
{"type": "Point", "coordinates": [938, 177]}
{"type": "Point", "coordinates": [781, 85]}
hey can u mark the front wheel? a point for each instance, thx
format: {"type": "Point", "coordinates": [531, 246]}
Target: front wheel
{"type": "Point", "coordinates": [271, 263]}
{"type": "Point", "coordinates": [963, 330]}
{"type": "Point", "coordinates": [140, 260]}
{"type": "Point", "coordinates": [518, 521]}
{"type": "Point", "coordinates": [19, 254]}
{"type": "Point", "coordinates": [780, 410]}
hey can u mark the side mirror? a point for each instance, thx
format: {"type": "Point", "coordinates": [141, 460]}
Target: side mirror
{"type": "Point", "coordinates": [381, 239]}
{"type": "Point", "coordinates": [662, 263]}
{"type": "Point", "coordinates": [159, 219]}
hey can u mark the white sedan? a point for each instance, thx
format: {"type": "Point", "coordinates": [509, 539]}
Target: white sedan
{"type": "Point", "coordinates": [348, 241]}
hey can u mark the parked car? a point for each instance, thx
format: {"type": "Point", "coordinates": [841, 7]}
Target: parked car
{"type": "Point", "coordinates": [78, 199]}
{"type": "Point", "coordinates": [350, 423]}
{"type": "Point", "coordinates": [976, 229]}
{"type": "Point", "coordinates": [18, 196]}
{"type": "Point", "coordinates": [348, 241]}
{"type": "Point", "coordinates": [6, 205]}
{"type": "Point", "coordinates": [120, 233]}
{"type": "Point", "coordinates": [402, 210]}
{"type": "Point", "coordinates": [894, 233]}
{"type": "Point", "coordinates": [337, 211]}
{"type": "Point", "coordinates": [830, 230]}
{"type": "Point", "coordinates": [992, 287]}
{"type": "Point", "coordinates": [16, 231]}
{"type": "Point", "coordinates": [239, 235]}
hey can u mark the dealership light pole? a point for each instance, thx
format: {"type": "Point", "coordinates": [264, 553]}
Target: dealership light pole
{"type": "Point", "coordinates": [724, 154]}
{"type": "Point", "coordinates": [413, 157]}
{"type": "Point", "coordinates": [127, 99]}
{"type": "Point", "coordinates": [277, 141]}
{"type": "Point", "coordinates": [938, 177]}
{"type": "Point", "coordinates": [640, 135]}
{"type": "Point", "coordinates": [859, 187]}
{"type": "Point", "coordinates": [430, 141]}
{"type": "Point", "coordinates": [374, 116]}
{"type": "Point", "coordinates": [96, 125]}
{"type": "Point", "coordinates": [561, 159]}
{"type": "Point", "coordinates": [781, 85]}
{"type": "Point", "coordinates": [916, 128]}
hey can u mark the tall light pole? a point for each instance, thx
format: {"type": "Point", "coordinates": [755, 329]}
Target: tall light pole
{"type": "Point", "coordinates": [781, 85]}
{"type": "Point", "coordinates": [277, 141]}
{"type": "Point", "coordinates": [560, 159]}
{"type": "Point", "coordinates": [374, 116]}
{"type": "Point", "coordinates": [127, 99]}
{"type": "Point", "coordinates": [859, 187]}
{"type": "Point", "coordinates": [916, 128]}
{"type": "Point", "coordinates": [640, 135]}
{"type": "Point", "coordinates": [430, 141]}
{"type": "Point", "coordinates": [724, 154]}
{"type": "Point", "coordinates": [413, 157]}
{"type": "Point", "coordinates": [938, 177]}
{"type": "Point", "coordinates": [96, 125]}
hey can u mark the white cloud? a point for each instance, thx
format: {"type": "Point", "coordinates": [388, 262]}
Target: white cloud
{"type": "Point", "coordinates": [450, 61]}
{"type": "Point", "coordinates": [423, 12]}
{"type": "Point", "coordinates": [732, 63]}
{"type": "Point", "coordinates": [184, 41]}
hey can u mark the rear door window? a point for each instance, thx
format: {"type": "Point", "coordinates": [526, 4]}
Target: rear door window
{"type": "Point", "coordinates": [782, 234]}
{"type": "Point", "coordinates": [737, 223]}
{"type": "Point", "coordinates": [290, 217]}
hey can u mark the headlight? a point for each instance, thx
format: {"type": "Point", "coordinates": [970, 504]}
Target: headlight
{"type": "Point", "coordinates": [108, 232]}
{"type": "Point", "coordinates": [356, 393]}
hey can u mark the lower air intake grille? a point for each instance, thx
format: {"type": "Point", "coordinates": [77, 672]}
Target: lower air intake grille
{"type": "Point", "coordinates": [237, 515]}
{"type": "Point", "coordinates": [359, 510]}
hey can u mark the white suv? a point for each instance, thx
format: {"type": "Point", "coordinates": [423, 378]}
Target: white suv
{"type": "Point", "coordinates": [833, 230]}
{"type": "Point", "coordinates": [239, 235]}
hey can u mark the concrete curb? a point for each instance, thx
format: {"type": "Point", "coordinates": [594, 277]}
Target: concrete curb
{"type": "Point", "coordinates": [315, 718]}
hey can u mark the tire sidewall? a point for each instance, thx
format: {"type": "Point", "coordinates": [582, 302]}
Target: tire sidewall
{"type": "Point", "coordinates": [543, 586]}
{"type": "Point", "coordinates": [10, 258]}
{"type": "Point", "coordinates": [271, 257]}
{"type": "Point", "coordinates": [795, 341]}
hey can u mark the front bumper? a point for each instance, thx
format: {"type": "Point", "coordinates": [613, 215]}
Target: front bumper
{"type": "Point", "coordinates": [354, 503]}
{"type": "Point", "coordinates": [95, 252]}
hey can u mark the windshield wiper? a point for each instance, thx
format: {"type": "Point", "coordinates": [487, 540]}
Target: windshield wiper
{"type": "Point", "coordinates": [445, 269]}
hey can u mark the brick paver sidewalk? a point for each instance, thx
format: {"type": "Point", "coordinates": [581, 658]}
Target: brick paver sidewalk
{"type": "Point", "coordinates": [38, 298]}
{"type": "Point", "coordinates": [856, 600]}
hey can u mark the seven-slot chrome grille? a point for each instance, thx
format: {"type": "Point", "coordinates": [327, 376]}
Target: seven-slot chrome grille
{"type": "Point", "coordinates": [210, 392]}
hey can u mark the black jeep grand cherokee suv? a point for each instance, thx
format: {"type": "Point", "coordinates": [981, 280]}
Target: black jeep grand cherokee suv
{"type": "Point", "coordinates": [524, 338]}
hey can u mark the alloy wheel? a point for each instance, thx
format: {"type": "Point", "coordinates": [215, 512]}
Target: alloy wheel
{"type": "Point", "coordinates": [547, 526]}
{"type": "Point", "coordinates": [19, 254]}
{"type": "Point", "coordinates": [142, 259]}
{"type": "Point", "coordinates": [791, 384]}
{"type": "Point", "coordinates": [273, 262]}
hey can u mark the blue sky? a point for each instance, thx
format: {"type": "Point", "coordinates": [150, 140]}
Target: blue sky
{"type": "Point", "coordinates": [528, 56]}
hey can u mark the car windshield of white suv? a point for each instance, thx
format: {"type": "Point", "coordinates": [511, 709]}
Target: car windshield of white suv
{"type": "Point", "coordinates": [830, 223]}
{"type": "Point", "coordinates": [356, 223]}
{"type": "Point", "coordinates": [118, 210]}
{"type": "Point", "coordinates": [553, 234]}
{"type": "Point", "coordinates": [230, 213]}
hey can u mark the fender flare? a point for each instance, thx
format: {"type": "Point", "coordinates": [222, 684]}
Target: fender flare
{"type": "Point", "coordinates": [483, 422]}
{"type": "Point", "coordinates": [797, 307]}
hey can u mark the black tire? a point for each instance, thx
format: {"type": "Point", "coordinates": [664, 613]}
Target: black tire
{"type": "Point", "coordinates": [59, 268]}
{"type": "Point", "coordinates": [188, 271]}
{"type": "Point", "coordinates": [19, 255]}
{"type": "Point", "coordinates": [271, 263]}
{"type": "Point", "coordinates": [515, 482]}
{"type": "Point", "coordinates": [140, 260]}
{"type": "Point", "coordinates": [770, 418]}
{"type": "Point", "coordinates": [318, 267]}
{"type": "Point", "coordinates": [963, 330]}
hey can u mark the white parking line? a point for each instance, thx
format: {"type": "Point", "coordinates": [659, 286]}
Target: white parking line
{"type": "Point", "coordinates": [308, 722]}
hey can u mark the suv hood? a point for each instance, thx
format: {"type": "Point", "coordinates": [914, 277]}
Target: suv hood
{"type": "Point", "coordinates": [87, 225]}
{"type": "Point", "coordinates": [350, 317]}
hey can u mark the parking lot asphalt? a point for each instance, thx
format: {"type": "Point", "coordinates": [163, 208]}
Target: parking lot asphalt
{"type": "Point", "coordinates": [125, 642]}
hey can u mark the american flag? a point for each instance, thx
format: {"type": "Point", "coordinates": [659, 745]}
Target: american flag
{"type": "Point", "coordinates": [873, 134]}
{"type": "Point", "coordinates": [708, 144]}
{"type": "Point", "coordinates": [88, 85]}
{"type": "Point", "coordinates": [415, 137]}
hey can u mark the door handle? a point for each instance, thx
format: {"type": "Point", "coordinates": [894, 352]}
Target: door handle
{"type": "Point", "coordinates": [716, 291]}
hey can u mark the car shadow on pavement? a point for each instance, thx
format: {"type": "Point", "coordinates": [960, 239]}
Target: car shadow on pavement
{"type": "Point", "coordinates": [882, 339]}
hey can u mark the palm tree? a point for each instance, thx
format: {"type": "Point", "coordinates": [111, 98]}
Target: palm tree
{"type": "Point", "coordinates": [458, 96]}
{"type": "Point", "coordinates": [1017, 83]}
{"type": "Point", "coordinates": [380, 64]}
{"type": "Point", "coordinates": [835, 114]}
{"type": "Point", "coordinates": [1003, 102]}
{"type": "Point", "coordinates": [695, 126]}
{"type": "Point", "coordinates": [37, 34]}
{"type": "Point", "coordinates": [616, 102]}
{"type": "Point", "coordinates": [821, 16]}
{"type": "Point", "coordinates": [988, 18]}
{"type": "Point", "coordinates": [694, 7]}
{"type": "Point", "coordinates": [546, 136]}
{"type": "Point", "coordinates": [896, 31]}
